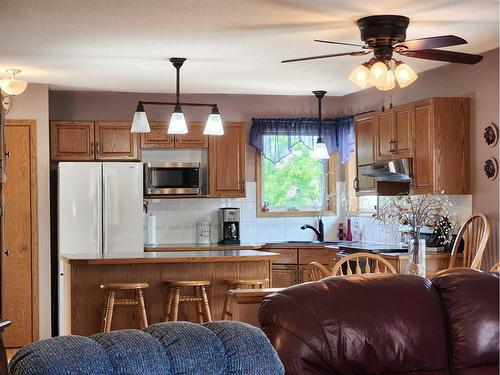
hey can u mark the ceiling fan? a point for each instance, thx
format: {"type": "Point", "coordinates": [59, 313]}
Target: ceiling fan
{"type": "Point", "coordinates": [384, 35]}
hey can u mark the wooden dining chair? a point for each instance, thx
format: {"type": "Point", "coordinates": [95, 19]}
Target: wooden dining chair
{"type": "Point", "coordinates": [496, 267]}
{"type": "Point", "coordinates": [315, 271]}
{"type": "Point", "coordinates": [475, 234]}
{"type": "Point", "coordinates": [362, 263]}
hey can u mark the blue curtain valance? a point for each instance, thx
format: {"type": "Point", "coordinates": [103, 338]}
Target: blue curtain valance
{"type": "Point", "coordinates": [338, 134]}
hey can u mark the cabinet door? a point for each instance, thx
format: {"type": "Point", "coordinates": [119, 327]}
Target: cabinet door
{"type": "Point", "coordinates": [365, 126]}
{"type": "Point", "coordinates": [226, 162]}
{"type": "Point", "coordinates": [384, 138]}
{"type": "Point", "coordinates": [284, 275]}
{"type": "Point", "coordinates": [157, 137]}
{"type": "Point", "coordinates": [72, 140]}
{"type": "Point", "coordinates": [194, 138]}
{"type": "Point", "coordinates": [402, 131]}
{"type": "Point", "coordinates": [423, 156]}
{"type": "Point", "coordinates": [114, 141]}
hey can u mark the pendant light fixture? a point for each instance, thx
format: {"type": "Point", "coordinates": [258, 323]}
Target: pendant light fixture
{"type": "Point", "coordinates": [320, 150]}
{"type": "Point", "coordinates": [13, 86]}
{"type": "Point", "coordinates": [177, 124]}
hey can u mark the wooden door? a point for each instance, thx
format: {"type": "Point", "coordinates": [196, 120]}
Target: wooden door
{"type": "Point", "coordinates": [19, 260]}
{"type": "Point", "coordinates": [114, 141]}
{"type": "Point", "coordinates": [284, 275]}
{"type": "Point", "coordinates": [365, 126]}
{"type": "Point", "coordinates": [157, 137]}
{"type": "Point", "coordinates": [384, 138]}
{"type": "Point", "coordinates": [72, 140]}
{"type": "Point", "coordinates": [423, 156]}
{"type": "Point", "coordinates": [226, 161]}
{"type": "Point", "coordinates": [403, 131]}
{"type": "Point", "coordinates": [194, 138]}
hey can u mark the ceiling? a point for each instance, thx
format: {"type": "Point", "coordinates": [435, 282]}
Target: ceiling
{"type": "Point", "coordinates": [232, 46]}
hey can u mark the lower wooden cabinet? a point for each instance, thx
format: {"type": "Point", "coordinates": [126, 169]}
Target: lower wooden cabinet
{"type": "Point", "coordinates": [284, 275]}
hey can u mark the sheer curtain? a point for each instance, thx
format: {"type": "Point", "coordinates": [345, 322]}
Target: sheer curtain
{"type": "Point", "coordinates": [283, 133]}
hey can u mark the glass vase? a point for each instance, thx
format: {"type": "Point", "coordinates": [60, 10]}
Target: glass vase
{"type": "Point", "coordinates": [416, 257]}
{"type": "Point", "coordinates": [348, 235]}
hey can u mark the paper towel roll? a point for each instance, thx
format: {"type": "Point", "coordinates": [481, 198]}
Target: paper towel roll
{"type": "Point", "coordinates": [150, 229]}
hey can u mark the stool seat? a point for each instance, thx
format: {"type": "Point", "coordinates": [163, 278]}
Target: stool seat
{"type": "Point", "coordinates": [124, 286]}
{"type": "Point", "coordinates": [182, 283]}
{"type": "Point", "coordinates": [245, 281]}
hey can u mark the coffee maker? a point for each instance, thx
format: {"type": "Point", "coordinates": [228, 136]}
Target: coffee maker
{"type": "Point", "coordinates": [229, 226]}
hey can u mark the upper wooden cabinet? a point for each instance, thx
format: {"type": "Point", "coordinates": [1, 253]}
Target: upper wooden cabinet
{"type": "Point", "coordinates": [72, 140]}
{"type": "Point", "coordinates": [365, 126]}
{"type": "Point", "coordinates": [113, 140]}
{"type": "Point", "coordinates": [158, 137]}
{"type": "Point", "coordinates": [226, 162]}
{"type": "Point", "coordinates": [88, 140]}
{"type": "Point", "coordinates": [433, 132]}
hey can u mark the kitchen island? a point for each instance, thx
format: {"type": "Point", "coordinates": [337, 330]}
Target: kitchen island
{"type": "Point", "coordinates": [83, 309]}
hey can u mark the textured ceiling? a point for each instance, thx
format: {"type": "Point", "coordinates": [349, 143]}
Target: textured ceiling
{"type": "Point", "coordinates": [232, 46]}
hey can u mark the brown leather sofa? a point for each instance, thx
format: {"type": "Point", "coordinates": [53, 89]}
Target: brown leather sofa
{"type": "Point", "coordinates": [387, 324]}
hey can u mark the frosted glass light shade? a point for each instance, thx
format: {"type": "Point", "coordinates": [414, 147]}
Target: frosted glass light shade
{"type": "Point", "coordinates": [320, 150]}
{"type": "Point", "coordinates": [405, 75]}
{"type": "Point", "coordinates": [378, 74]}
{"type": "Point", "coordinates": [214, 125]}
{"type": "Point", "coordinates": [360, 76]}
{"type": "Point", "coordinates": [177, 124]}
{"type": "Point", "coordinates": [389, 83]}
{"type": "Point", "coordinates": [140, 123]}
{"type": "Point", "coordinates": [13, 86]}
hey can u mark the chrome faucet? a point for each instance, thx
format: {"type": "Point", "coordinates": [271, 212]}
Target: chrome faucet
{"type": "Point", "coordinates": [320, 232]}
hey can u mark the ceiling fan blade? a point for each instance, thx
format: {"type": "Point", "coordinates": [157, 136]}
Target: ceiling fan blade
{"type": "Point", "coordinates": [440, 55]}
{"type": "Point", "coordinates": [342, 43]}
{"type": "Point", "coordinates": [356, 53]}
{"type": "Point", "coordinates": [431, 42]}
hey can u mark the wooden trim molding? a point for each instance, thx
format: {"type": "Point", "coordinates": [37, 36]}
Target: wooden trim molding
{"type": "Point", "coordinates": [34, 223]}
{"type": "Point", "coordinates": [332, 181]}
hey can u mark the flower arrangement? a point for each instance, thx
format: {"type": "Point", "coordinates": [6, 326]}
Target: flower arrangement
{"type": "Point", "coordinates": [416, 211]}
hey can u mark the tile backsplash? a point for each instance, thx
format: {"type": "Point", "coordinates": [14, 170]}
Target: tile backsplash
{"type": "Point", "coordinates": [176, 220]}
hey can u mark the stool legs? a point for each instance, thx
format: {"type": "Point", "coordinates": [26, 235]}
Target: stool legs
{"type": "Point", "coordinates": [200, 299]}
{"type": "Point", "coordinates": [142, 308]}
{"type": "Point", "coordinates": [227, 303]}
{"type": "Point", "coordinates": [206, 307]}
{"type": "Point", "coordinates": [175, 306]}
{"type": "Point", "coordinates": [199, 311]}
{"type": "Point", "coordinates": [170, 296]}
{"type": "Point", "coordinates": [108, 317]}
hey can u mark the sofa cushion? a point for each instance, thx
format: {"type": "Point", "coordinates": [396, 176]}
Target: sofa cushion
{"type": "Point", "coordinates": [470, 300]}
{"type": "Point", "coordinates": [174, 348]}
{"type": "Point", "coordinates": [366, 324]}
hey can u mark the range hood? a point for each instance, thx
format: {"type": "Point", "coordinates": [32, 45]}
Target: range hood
{"type": "Point", "coordinates": [394, 170]}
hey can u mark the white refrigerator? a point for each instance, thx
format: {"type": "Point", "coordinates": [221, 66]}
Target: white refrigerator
{"type": "Point", "coordinates": [100, 211]}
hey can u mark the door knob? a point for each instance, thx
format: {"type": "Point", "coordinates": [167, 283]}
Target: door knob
{"type": "Point", "coordinates": [7, 154]}
{"type": "Point", "coordinates": [6, 253]}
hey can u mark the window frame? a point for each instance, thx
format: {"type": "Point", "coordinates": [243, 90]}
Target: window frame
{"type": "Point", "coordinates": [332, 181]}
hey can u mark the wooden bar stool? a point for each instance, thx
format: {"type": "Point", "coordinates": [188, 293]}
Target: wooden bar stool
{"type": "Point", "coordinates": [200, 298]}
{"type": "Point", "coordinates": [239, 284]}
{"type": "Point", "coordinates": [111, 302]}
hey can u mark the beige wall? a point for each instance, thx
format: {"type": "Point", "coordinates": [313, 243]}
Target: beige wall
{"type": "Point", "coordinates": [33, 104]}
{"type": "Point", "coordinates": [479, 82]}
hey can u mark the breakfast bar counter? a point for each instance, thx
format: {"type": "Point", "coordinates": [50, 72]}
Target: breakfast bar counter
{"type": "Point", "coordinates": [83, 275]}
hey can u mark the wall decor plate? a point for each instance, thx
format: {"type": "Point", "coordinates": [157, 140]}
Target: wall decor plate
{"type": "Point", "coordinates": [491, 168]}
{"type": "Point", "coordinates": [491, 135]}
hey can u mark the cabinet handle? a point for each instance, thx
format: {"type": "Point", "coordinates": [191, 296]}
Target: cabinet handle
{"type": "Point", "coordinates": [7, 154]}
{"type": "Point", "coordinates": [97, 148]}
{"type": "Point", "coordinates": [355, 184]}
{"type": "Point", "coordinates": [6, 253]}
{"type": "Point", "coordinates": [92, 148]}
{"type": "Point", "coordinates": [392, 145]}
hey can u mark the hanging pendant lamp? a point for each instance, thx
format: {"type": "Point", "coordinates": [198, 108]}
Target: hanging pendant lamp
{"type": "Point", "coordinates": [320, 149]}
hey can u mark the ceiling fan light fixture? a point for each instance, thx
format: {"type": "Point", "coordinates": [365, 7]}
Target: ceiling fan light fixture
{"type": "Point", "coordinates": [140, 123]}
{"type": "Point", "coordinates": [177, 123]}
{"type": "Point", "coordinates": [378, 73]}
{"type": "Point", "coordinates": [214, 123]}
{"type": "Point", "coordinates": [320, 150]}
{"type": "Point", "coordinates": [405, 75]}
{"type": "Point", "coordinates": [389, 83]}
{"type": "Point", "coordinates": [360, 75]}
{"type": "Point", "coordinates": [13, 86]}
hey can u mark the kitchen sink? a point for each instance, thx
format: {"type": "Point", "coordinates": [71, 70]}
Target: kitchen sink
{"type": "Point", "coordinates": [310, 242]}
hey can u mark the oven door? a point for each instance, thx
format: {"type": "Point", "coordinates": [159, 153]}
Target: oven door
{"type": "Point", "coordinates": [172, 178]}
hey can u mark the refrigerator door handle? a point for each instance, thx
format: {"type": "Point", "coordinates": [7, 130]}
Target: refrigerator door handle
{"type": "Point", "coordinates": [105, 208]}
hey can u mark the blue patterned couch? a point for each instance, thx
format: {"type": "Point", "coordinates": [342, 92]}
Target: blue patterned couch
{"type": "Point", "coordinates": [217, 348]}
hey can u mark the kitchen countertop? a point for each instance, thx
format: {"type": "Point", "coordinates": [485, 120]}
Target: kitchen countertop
{"type": "Point", "coordinates": [171, 257]}
{"type": "Point", "coordinates": [371, 247]}
{"type": "Point", "coordinates": [197, 246]}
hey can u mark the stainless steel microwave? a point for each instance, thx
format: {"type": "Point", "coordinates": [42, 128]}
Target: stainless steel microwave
{"type": "Point", "coordinates": [172, 178]}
